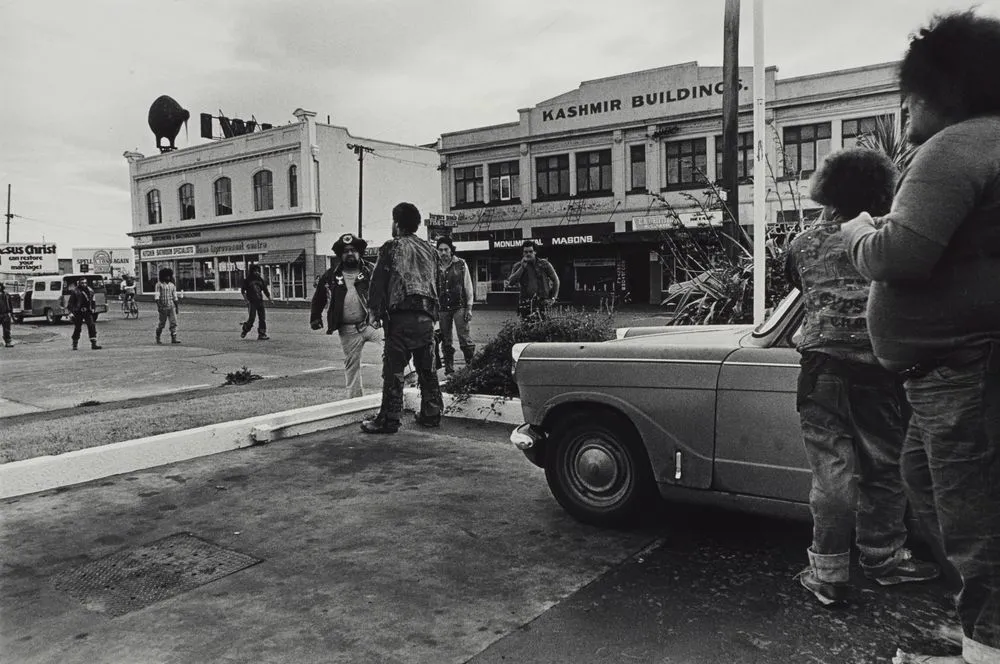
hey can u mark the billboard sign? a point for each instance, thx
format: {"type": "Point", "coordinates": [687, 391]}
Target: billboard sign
{"type": "Point", "coordinates": [28, 258]}
{"type": "Point", "coordinates": [112, 261]}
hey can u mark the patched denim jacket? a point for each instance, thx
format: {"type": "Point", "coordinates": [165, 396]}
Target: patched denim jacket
{"type": "Point", "coordinates": [835, 295]}
{"type": "Point", "coordinates": [406, 271]}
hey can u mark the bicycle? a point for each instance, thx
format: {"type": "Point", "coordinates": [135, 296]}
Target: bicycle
{"type": "Point", "coordinates": [129, 308]}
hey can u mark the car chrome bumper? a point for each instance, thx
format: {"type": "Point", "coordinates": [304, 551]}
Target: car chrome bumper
{"type": "Point", "coordinates": [529, 439]}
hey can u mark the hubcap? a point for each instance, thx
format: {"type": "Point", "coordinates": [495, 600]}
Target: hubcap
{"type": "Point", "coordinates": [597, 468]}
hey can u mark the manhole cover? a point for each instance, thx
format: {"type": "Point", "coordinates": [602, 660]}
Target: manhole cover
{"type": "Point", "coordinates": [131, 579]}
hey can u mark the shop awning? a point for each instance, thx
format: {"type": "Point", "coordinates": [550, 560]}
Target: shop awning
{"type": "Point", "coordinates": [282, 256]}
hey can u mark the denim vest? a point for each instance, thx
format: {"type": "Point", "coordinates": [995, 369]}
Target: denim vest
{"type": "Point", "coordinates": [406, 273]}
{"type": "Point", "coordinates": [451, 286]}
{"type": "Point", "coordinates": [835, 295]}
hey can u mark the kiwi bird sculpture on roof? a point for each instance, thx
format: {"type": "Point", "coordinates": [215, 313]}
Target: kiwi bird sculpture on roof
{"type": "Point", "coordinates": [165, 119]}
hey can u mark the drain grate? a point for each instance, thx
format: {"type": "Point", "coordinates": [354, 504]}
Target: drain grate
{"type": "Point", "coordinates": [134, 578]}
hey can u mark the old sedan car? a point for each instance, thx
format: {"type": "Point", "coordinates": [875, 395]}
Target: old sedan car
{"type": "Point", "coordinates": [700, 414]}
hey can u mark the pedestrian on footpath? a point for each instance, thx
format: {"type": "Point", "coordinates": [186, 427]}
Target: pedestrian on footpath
{"type": "Point", "coordinates": [537, 281]}
{"type": "Point", "coordinates": [254, 291]}
{"type": "Point", "coordinates": [81, 309]}
{"type": "Point", "coordinates": [403, 296]}
{"type": "Point", "coordinates": [344, 287]}
{"type": "Point", "coordinates": [853, 410]}
{"type": "Point", "coordinates": [934, 310]}
{"type": "Point", "coordinates": [455, 295]}
{"type": "Point", "coordinates": [6, 315]}
{"type": "Point", "coordinates": [165, 295]}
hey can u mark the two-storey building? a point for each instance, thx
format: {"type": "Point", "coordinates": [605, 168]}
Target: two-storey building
{"type": "Point", "coordinates": [597, 175]}
{"type": "Point", "coordinates": [278, 198]}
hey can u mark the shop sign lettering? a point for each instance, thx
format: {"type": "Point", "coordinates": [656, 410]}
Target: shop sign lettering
{"type": "Point", "coordinates": [167, 252]}
{"type": "Point", "coordinates": [28, 258]}
{"type": "Point", "coordinates": [573, 239]}
{"type": "Point", "coordinates": [646, 99]}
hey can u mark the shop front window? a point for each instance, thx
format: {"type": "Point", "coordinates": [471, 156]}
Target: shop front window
{"type": "Point", "coordinates": [184, 275]}
{"type": "Point", "coordinates": [594, 274]}
{"type": "Point", "coordinates": [499, 270]}
{"type": "Point", "coordinates": [151, 271]}
{"type": "Point", "coordinates": [231, 272]}
{"type": "Point", "coordinates": [204, 274]}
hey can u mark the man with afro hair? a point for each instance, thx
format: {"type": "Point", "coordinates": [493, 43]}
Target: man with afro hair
{"type": "Point", "coordinates": [851, 408]}
{"type": "Point", "coordinates": [934, 311]}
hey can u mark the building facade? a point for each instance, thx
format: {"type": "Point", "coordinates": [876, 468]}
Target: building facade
{"type": "Point", "coordinates": [278, 198]}
{"type": "Point", "coordinates": [597, 176]}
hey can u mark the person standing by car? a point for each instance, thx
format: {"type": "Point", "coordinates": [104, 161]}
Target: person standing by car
{"type": "Point", "coordinates": [403, 296]}
{"type": "Point", "coordinates": [6, 315]}
{"type": "Point", "coordinates": [934, 311]}
{"type": "Point", "coordinates": [456, 295]}
{"type": "Point", "coordinates": [851, 408]}
{"type": "Point", "coordinates": [254, 290]}
{"type": "Point", "coordinates": [537, 280]}
{"type": "Point", "coordinates": [165, 295]}
{"type": "Point", "coordinates": [345, 288]}
{"type": "Point", "coordinates": [81, 307]}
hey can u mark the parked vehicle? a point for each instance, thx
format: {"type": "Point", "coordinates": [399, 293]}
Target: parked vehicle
{"type": "Point", "coordinates": [702, 414]}
{"type": "Point", "coordinates": [48, 294]}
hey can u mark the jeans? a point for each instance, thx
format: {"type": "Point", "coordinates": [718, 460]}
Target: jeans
{"type": "Point", "coordinates": [256, 309]}
{"type": "Point", "coordinates": [951, 465]}
{"type": "Point", "coordinates": [352, 341]}
{"type": "Point", "coordinates": [5, 324]}
{"type": "Point", "coordinates": [167, 314]}
{"type": "Point", "coordinates": [853, 422]}
{"type": "Point", "coordinates": [79, 319]}
{"type": "Point", "coordinates": [456, 319]}
{"type": "Point", "coordinates": [409, 334]}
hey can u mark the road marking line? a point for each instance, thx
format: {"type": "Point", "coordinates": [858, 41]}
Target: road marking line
{"type": "Point", "coordinates": [318, 370]}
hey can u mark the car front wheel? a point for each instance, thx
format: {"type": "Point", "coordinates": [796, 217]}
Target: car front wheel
{"type": "Point", "coordinates": [51, 318]}
{"type": "Point", "coordinates": [598, 470]}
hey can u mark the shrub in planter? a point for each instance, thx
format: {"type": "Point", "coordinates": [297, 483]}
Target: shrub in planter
{"type": "Point", "coordinates": [489, 372]}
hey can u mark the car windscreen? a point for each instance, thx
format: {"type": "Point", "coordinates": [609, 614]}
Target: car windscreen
{"type": "Point", "coordinates": [95, 282]}
{"type": "Point", "coordinates": [777, 314]}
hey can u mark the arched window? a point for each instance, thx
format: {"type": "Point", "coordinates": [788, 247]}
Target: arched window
{"type": "Point", "coordinates": [223, 197]}
{"type": "Point", "coordinates": [186, 196]}
{"type": "Point", "coordinates": [263, 195]}
{"type": "Point", "coordinates": [153, 207]}
{"type": "Point", "coordinates": [293, 186]}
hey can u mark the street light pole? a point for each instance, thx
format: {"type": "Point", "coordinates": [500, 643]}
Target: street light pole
{"type": "Point", "coordinates": [360, 150]}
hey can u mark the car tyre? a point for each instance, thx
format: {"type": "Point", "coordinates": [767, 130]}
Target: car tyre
{"type": "Point", "coordinates": [598, 470]}
{"type": "Point", "coordinates": [50, 317]}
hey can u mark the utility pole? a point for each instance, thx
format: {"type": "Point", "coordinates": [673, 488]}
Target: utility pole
{"type": "Point", "coordinates": [9, 215]}
{"type": "Point", "coordinates": [730, 124]}
{"type": "Point", "coordinates": [360, 150]}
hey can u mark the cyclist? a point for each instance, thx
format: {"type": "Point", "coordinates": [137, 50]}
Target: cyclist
{"type": "Point", "coordinates": [128, 289]}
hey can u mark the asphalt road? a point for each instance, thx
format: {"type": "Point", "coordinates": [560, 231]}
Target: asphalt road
{"type": "Point", "coordinates": [430, 546]}
{"type": "Point", "coordinates": [41, 372]}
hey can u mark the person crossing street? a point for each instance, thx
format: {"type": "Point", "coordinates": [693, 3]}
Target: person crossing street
{"type": "Point", "coordinates": [81, 307]}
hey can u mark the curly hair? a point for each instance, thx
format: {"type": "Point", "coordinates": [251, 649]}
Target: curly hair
{"type": "Point", "coordinates": [444, 239]}
{"type": "Point", "coordinates": [855, 180]}
{"type": "Point", "coordinates": [165, 274]}
{"type": "Point", "coordinates": [407, 217]}
{"type": "Point", "coordinates": [952, 65]}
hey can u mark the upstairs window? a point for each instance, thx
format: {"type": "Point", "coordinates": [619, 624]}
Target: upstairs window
{"type": "Point", "coordinates": [186, 196]}
{"type": "Point", "coordinates": [293, 186]}
{"type": "Point", "coordinates": [505, 181]}
{"type": "Point", "coordinates": [223, 197]}
{"type": "Point", "coordinates": [852, 130]}
{"type": "Point", "coordinates": [686, 162]}
{"type": "Point", "coordinates": [263, 193]}
{"type": "Point", "coordinates": [468, 185]}
{"type": "Point", "coordinates": [593, 172]}
{"type": "Point", "coordinates": [637, 160]}
{"type": "Point", "coordinates": [744, 157]}
{"type": "Point", "coordinates": [552, 176]}
{"type": "Point", "coordinates": [153, 214]}
{"type": "Point", "coordinates": [805, 146]}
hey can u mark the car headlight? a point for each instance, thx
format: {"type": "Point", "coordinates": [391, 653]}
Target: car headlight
{"type": "Point", "coordinates": [515, 354]}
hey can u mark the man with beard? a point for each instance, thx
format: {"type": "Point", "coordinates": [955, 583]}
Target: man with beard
{"type": "Point", "coordinates": [345, 288]}
{"type": "Point", "coordinates": [403, 296]}
{"type": "Point", "coordinates": [81, 308]}
{"type": "Point", "coordinates": [455, 295]}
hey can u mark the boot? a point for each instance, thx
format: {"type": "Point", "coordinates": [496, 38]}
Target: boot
{"type": "Point", "coordinates": [75, 342]}
{"type": "Point", "coordinates": [469, 352]}
{"type": "Point", "coordinates": [158, 337]}
{"type": "Point", "coordinates": [448, 355]}
{"type": "Point", "coordinates": [94, 346]}
{"type": "Point", "coordinates": [174, 339]}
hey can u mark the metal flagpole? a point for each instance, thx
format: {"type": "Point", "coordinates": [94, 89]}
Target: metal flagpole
{"type": "Point", "coordinates": [759, 166]}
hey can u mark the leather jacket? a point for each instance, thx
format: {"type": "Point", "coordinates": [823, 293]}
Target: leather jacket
{"type": "Point", "coordinates": [80, 300]}
{"type": "Point", "coordinates": [332, 289]}
{"type": "Point", "coordinates": [405, 278]}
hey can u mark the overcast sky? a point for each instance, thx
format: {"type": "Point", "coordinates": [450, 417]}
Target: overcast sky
{"type": "Point", "coordinates": [77, 78]}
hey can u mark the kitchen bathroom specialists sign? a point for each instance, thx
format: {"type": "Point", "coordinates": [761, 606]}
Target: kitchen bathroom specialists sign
{"type": "Point", "coordinates": [29, 258]}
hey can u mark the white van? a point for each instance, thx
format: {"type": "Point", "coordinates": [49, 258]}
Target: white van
{"type": "Point", "coordinates": [48, 294]}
